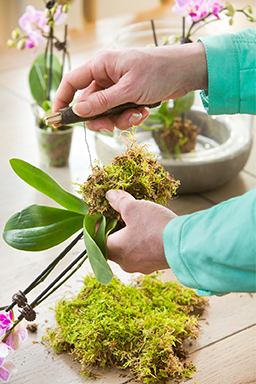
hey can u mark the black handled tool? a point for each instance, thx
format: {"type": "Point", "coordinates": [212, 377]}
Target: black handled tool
{"type": "Point", "coordinates": [66, 115]}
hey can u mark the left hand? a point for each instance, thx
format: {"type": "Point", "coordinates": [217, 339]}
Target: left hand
{"type": "Point", "coordinates": [139, 246]}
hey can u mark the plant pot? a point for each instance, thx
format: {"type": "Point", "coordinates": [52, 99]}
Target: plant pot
{"type": "Point", "coordinates": [222, 149]}
{"type": "Point", "coordinates": [54, 146]}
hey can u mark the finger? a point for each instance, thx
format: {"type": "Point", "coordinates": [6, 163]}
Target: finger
{"type": "Point", "coordinates": [103, 124]}
{"type": "Point", "coordinates": [123, 121]}
{"type": "Point", "coordinates": [122, 202]}
{"type": "Point", "coordinates": [131, 117]}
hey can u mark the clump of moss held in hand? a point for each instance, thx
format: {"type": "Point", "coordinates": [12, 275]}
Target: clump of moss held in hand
{"type": "Point", "coordinates": [141, 327]}
{"type": "Point", "coordinates": [135, 171]}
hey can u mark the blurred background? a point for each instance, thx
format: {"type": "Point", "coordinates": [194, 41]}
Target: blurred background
{"type": "Point", "coordinates": [81, 12]}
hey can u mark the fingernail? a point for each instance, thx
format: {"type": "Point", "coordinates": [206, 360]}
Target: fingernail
{"type": "Point", "coordinates": [82, 108]}
{"type": "Point", "coordinates": [147, 109]}
{"type": "Point", "coordinates": [111, 195]}
{"type": "Point", "coordinates": [135, 118]}
{"type": "Point", "coordinates": [104, 130]}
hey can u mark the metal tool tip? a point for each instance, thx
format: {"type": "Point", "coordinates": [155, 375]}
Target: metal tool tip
{"type": "Point", "coordinates": [53, 118]}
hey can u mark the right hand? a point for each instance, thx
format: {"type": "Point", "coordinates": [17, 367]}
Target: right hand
{"type": "Point", "coordinates": [142, 76]}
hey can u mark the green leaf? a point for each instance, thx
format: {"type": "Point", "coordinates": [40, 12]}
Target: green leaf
{"type": "Point", "coordinates": [183, 104]}
{"type": "Point", "coordinates": [102, 234]}
{"type": "Point", "coordinates": [39, 227]}
{"type": "Point", "coordinates": [37, 80]}
{"type": "Point", "coordinates": [97, 260]}
{"type": "Point", "coordinates": [41, 181]}
{"type": "Point", "coordinates": [100, 237]}
{"type": "Point", "coordinates": [164, 108]}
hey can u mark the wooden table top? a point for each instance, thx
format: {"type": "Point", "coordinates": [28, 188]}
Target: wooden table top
{"type": "Point", "coordinates": [225, 352]}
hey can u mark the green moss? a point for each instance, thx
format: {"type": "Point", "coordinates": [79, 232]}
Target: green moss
{"type": "Point", "coordinates": [141, 327]}
{"type": "Point", "coordinates": [135, 171]}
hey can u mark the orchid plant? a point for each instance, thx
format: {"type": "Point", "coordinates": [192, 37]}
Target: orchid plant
{"type": "Point", "coordinates": [38, 28]}
{"type": "Point", "coordinates": [197, 14]}
{"type": "Point", "coordinates": [41, 227]}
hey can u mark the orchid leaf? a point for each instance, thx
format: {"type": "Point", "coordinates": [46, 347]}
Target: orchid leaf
{"type": "Point", "coordinates": [182, 104]}
{"type": "Point", "coordinates": [96, 257]}
{"type": "Point", "coordinates": [100, 236]}
{"type": "Point", "coordinates": [110, 226]}
{"type": "Point", "coordinates": [37, 80]}
{"type": "Point", "coordinates": [42, 182]}
{"type": "Point", "coordinates": [39, 227]}
{"type": "Point", "coordinates": [164, 108]}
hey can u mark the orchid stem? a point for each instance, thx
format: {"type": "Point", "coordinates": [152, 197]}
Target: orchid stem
{"type": "Point", "coordinates": [50, 66]}
{"type": "Point", "coordinates": [40, 278]}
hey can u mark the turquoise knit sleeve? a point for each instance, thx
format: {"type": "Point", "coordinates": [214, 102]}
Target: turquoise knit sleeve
{"type": "Point", "coordinates": [214, 250]}
{"type": "Point", "coordinates": [231, 61]}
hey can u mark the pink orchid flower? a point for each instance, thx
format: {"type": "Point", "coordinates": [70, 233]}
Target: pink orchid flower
{"type": "Point", "coordinates": [197, 9]}
{"type": "Point", "coordinates": [6, 322]}
{"type": "Point", "coordinates": [34, 24]}
{"type": "Point", "coordinates": [17, 336]}
{"type": "Point", "coordinates": [6, 367]}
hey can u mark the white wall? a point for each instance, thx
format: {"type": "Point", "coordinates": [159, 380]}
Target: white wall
{"type": "Point", "coordinates": [108, 8]}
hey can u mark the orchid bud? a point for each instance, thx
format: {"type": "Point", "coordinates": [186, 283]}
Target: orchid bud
{"type": "Point", "coordinates": [231, 21]}
{"type": "Point", "coordinates": [249, 9]}
{"type": "Point", "coordinates": [21, 44]}
{"type": "Point", "coordinates": [54, 9]}
{"type": "Point", "coordinates": [10, 43]}
{"type": "Point", "coordinates": [16, 34]}
{"type": "Point", "coordinates": [230, 8]}
{"type": "Point", "coordinates": [65, 8]}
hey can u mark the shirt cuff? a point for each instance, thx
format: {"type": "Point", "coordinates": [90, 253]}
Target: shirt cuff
{"type": "Point", "coordinates": [223, 75]}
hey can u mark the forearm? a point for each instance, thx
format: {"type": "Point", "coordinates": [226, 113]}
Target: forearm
{"type": "Point", "coordinates": [231, 64]}
{"type": "Point", "coordinates": [214, 250]}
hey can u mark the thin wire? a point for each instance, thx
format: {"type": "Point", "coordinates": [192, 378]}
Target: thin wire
{"type": "Point", "coordinates": [87, 144]}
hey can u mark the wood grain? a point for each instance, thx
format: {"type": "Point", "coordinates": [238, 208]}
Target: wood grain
{"type": "Point", "coordinates": [225, 351]}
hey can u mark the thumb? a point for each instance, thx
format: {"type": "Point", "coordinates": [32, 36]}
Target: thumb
{"type": "Point", "coordinates": [122, 202]}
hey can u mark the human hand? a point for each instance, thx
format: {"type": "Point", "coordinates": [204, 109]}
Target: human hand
{"type": "Point", "coordinates": [142, 76]}
{"type": "Point", "coordinates": [138, 247]}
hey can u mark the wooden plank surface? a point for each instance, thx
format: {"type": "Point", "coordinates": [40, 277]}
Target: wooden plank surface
{"type": "Point", "coordinates": [224, 352]}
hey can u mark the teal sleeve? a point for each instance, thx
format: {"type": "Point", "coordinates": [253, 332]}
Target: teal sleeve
{"type": "Point", "coordinates": [214, 250]}
{"type": "Point", "coordinates": [231, 61]}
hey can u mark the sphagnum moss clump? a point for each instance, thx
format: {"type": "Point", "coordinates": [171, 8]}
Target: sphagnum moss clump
{"type": "Point", "coordinates": [135, 171]}
{"type": "Point", "coordinates": [141, 326]}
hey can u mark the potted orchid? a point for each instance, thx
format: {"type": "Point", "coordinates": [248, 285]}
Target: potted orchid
{"type": "Point", "coordinates": [173, 132]}
{"type": "Point", "coordinates": [37, 28]}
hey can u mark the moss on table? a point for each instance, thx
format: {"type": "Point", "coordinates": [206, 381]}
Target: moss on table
{"type": "Point", "coordinates": [141, 326]}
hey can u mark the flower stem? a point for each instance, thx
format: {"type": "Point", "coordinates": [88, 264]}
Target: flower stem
{"type": "Point", "coordinates": [50, 66]}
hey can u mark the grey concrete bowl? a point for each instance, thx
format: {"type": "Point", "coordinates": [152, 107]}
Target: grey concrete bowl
{"type": "Point", "coordinates": [222, 149]}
